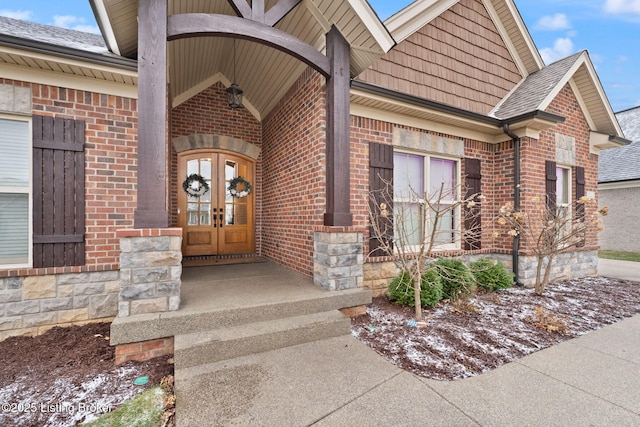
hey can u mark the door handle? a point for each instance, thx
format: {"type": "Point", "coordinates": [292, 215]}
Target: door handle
{"type": "Point", "coordinates": [221, 219]}
{"type": "Point", "coordinates": [215, 224]}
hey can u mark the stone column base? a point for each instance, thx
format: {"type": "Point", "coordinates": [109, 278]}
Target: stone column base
{"type": "Point", "coordinates": [150, 270]}
{"type": "Point", "coordinates": [337, 259]}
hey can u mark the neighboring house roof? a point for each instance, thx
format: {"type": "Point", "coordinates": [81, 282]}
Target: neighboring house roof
{"type": "Point", "coordinates": [630, 123]}
{"type": "Point", "coordinates": [53, 35]}
{"type": "Point", "coordinates": [623, 163]}
{"type": "Point", "coordinates": [57, 56]}
{"type": "Point", "coordinates": [538, 90]}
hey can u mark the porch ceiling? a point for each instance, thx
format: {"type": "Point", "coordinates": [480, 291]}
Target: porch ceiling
{"type": "Point", "coordinates": [264, 73]}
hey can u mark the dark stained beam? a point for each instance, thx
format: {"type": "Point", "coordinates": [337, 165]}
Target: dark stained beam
{"type": "Point", "coordinates": [279, 11]}
{"type": "Point", "coordinates": [151, 210]}
{"type": "Point", "coordinates": [241, 8]}
{"type": "Point", "coordinates": [257, 10]}
{"type": "Point", "coordinates": [338, 142]}
{"type": "Point", "coordinates": [202, 24]}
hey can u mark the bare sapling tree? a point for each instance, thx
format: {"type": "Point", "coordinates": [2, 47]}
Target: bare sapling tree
{"type": "Point", "coordinates": [548, 230]}
{"type": "Point", "coordinates": [410, 227]}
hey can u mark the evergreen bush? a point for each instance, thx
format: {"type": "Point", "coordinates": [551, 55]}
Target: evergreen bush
{"type": "Point", "coordinates": [457, 280]}
{"type": "Point", "coordinates": [491, 274]}
{"type": "Point", "coordinates": [401, 289]}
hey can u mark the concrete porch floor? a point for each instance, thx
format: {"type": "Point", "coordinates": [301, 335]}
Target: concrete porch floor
{"type": "Point", "coordinates": [243, 285]}
{"type": "Point", "coordinates": [227, 296]}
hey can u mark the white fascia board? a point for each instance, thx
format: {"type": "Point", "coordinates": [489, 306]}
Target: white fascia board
{"type": "Point", "coordinates": [100, 12]}
{"type": "Point", "coordinates": [377, 29]}
{"type": "Point", "coordinates": [415, 16]}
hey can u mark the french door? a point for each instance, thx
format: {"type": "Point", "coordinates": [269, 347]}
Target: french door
{"type": "Point", "coordinates": [215, 223]}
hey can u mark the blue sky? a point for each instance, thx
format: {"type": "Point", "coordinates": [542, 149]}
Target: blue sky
{"type": "Point", "coordinates": [608, 29]}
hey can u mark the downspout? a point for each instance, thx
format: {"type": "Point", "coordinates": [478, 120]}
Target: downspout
{"type": "Point", "coordinates": [516, 199]}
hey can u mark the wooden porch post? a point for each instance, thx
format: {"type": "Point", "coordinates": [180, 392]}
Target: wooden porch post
{"type": "Point", "coordinates": [151, 211]}
{"type": "Point", "coordinates": [338, 147]}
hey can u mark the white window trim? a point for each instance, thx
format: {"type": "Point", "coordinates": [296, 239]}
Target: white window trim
{"type": "Point", "coordinates": [457, 243]}
{"type": "Point", "coordinates": [19, 190]}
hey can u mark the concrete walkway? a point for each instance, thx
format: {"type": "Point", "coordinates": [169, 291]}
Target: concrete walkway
{"type": "Point", "coordinates": [593, 380]}
{"type": "Point", "coordinates": [619, 269]}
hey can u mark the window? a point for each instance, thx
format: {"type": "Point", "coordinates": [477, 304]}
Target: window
{"type": "Point", "coordinates": [563, 198]}
{"type": "Point", "coordinates": [424, 189]}
{"type": "Point", "coordinates": [15, 185]}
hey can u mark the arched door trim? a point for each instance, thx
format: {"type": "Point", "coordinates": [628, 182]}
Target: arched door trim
{"type": "Point", "coordinates": [216, 142]}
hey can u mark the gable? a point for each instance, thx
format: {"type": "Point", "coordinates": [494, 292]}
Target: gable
{"type": "Point", "coordinates": [458, 59]}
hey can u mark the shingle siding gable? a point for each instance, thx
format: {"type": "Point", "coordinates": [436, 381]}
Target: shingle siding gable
{"type": "Point", "coordinates": [458, 59]}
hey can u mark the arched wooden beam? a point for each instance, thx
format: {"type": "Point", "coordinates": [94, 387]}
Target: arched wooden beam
{"type": "Point", "coordinates": [202, 24]}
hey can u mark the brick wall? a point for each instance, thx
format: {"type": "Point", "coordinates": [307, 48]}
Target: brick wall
{"type": "Point", "coordinates": [293, 156]}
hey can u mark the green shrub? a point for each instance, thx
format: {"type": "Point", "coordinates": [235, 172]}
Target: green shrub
{"type": "Point", "coordinates": [457, 280]}
{"type": "Point", "coordinates": [401, 289]}
{"type": "Point", "coordinates": [491, 274]}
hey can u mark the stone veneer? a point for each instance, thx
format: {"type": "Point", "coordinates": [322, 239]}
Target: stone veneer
{"type": "Point", "coordinates": [337, 259]}
{"type": "Point", "coordinates": [150, 270]}
{"type": "Point", "coordinates": [33, 304]}
{"type": "Point", "coordinates": [565, 266]}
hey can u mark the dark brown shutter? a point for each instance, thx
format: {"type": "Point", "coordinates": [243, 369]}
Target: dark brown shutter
{"type": "Point", "coordinates": [381, 195]}
{"type": "Point", "coordinates": [550, 183]}
{"type": "Point", "coordinates": [58, 192]}
{"type": "Point", "coordinates": [472, 221]}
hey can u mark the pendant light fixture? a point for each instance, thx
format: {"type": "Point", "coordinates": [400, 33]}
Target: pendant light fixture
{"type": "Point", "coordinates": [234, 93]}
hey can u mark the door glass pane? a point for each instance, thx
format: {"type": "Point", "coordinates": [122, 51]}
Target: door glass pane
{"type": "Point", "coordinates": [205, 169]}
{"type": "Point", "coordinates": [192, 214]}
{"type": "Point", "coordinates": [229, 170]}
{"type": "Point", "coordinates": [14, 228]}
{"type": "Point", "coordinates": [192, 167]}
{"type": "Point", "coordinates": [205, 214]}
{"type": "Point", "coordinates": [408, 175]}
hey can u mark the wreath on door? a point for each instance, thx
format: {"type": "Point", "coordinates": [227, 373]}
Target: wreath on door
{"type": "Point", "coordinates": [198, 190]}
{"type": "Point", "coordinates": [244, 185]}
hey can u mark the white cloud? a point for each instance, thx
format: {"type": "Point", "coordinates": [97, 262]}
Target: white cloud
{"type": "Point", "coordinates": [559, 21]}
{"type": "Point", "coordinates": [74, 23]}
{"type": "Point", "coordinates": [23, 15]}
{"type": "Point", "coordinates": [562, 48]}
{"type": "Point", "coordinates": [622, 6]}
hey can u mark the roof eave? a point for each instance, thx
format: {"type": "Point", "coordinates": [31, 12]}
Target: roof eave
{"type": "Point", "coordinates": [529, 124]}
{"type": "Point", "coordinates": [102, 18]}
{"type": "Point", "coordinates": [67, 52]}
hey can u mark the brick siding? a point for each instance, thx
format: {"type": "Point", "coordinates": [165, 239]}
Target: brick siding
{"type": "Point", "coordinates": [294, 187]}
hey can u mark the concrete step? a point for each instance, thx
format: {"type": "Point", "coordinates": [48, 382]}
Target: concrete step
{"type": "Point", "coordinates": [187, 321]}
{"type": "Point", "coordinates": [200, 348]}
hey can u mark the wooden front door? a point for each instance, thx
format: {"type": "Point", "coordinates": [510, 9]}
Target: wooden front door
{"type": "Point", "coordinates": [215, 223]}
